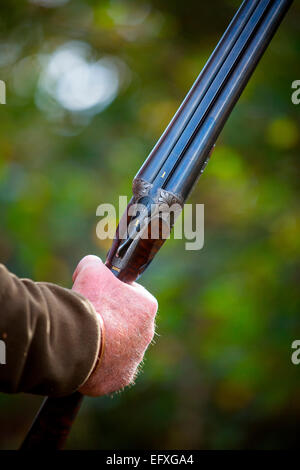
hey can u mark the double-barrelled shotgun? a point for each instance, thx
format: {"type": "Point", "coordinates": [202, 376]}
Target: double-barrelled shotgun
{"type": "Point", "coordinates": [172, 169]}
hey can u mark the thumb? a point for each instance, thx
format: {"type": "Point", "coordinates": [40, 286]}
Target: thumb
{"type": "Point", "coordinates": [86, 261]}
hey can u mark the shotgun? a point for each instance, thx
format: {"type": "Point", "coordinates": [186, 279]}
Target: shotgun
{"type": "Point", "coordinates": [172, 169]}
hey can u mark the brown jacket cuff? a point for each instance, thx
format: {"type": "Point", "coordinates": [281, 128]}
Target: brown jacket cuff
{"type": "Point", "coordinates": [52, 337]}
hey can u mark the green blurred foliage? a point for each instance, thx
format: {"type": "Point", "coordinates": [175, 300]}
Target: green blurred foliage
{"type": "Point", "coordinates": [220, 374]}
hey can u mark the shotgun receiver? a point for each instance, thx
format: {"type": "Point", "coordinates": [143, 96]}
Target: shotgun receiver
{"type": "Point", "coordinates": [173, 168]}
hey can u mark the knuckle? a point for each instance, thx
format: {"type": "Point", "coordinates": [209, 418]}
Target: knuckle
{"type": "Point", "coordinates": [150, 310]}
{"type": "Point", "coordinates": [147, 300]}
{"type": "Point", "coordinates": [127, 380]}
{"type": "Point", "coordinates": [149, 334]}
{"type": "Point", "coordinates": [140, 357]}
{"type": "Point", "coordinates": [154, 307]}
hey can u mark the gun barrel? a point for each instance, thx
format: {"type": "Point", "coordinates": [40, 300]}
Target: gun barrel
{"type": "Point", "coordinates": [240, 48]}
{"type": "Point", "coordinates": [152, 166]}
{"type": "Point", "coordinates": [215, 109]}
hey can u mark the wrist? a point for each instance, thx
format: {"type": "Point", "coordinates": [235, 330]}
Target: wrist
{"type": "Point", "coordinates": [102, 344]}
{"type": "Point", "coordinates": [99, 326]}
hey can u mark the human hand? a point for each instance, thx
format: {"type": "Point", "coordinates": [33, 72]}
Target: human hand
{"type": "Point", "coordinates": [128, 313]}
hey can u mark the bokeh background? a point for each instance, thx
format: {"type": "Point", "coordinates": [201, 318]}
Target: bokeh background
{"type": "Point", "coordinates": [90, 87]}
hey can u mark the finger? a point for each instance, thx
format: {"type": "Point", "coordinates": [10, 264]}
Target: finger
{"type": "Point", "coordinates": [92, 279]}
{"type": "Point", "coordinates": [87, 260]}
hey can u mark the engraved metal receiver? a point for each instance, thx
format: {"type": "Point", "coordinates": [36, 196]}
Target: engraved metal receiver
{"type": "Point", "coordinates": [143, 229]}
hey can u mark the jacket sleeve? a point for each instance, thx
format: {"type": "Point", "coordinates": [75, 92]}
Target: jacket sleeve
{"type": "Point", "coordinates": [49, 337]}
